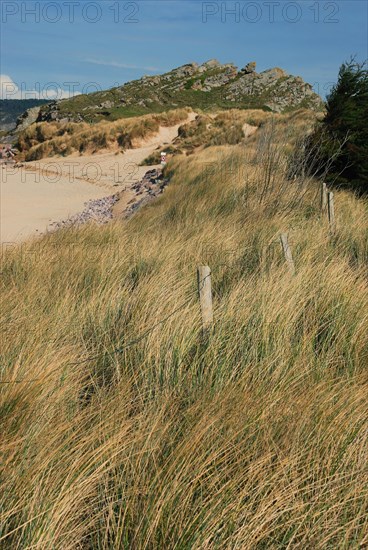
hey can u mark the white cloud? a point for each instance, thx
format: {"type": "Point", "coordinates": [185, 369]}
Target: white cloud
{"type": "Point", "coordinates": [112, 63]}
{"type": "Point", "coordinates": [52, 90]}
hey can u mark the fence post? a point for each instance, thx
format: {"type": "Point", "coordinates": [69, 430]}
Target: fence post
{"type": "Point", "coordinates": [205, 296]}
{"type": "Point", "coordinates": [323, 197]}
{"type": "Point", "coordinates": [287, 253]}
{"type": "Point", "coordinates": [331, 212]}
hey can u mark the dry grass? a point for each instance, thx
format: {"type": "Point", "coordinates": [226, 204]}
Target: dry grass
{"type": "Point", "coordinates": [227, 128]}
{"type": "Point", "coordinates": [46, 139]}
{"type": "Point", "coordinates": [253, 438]}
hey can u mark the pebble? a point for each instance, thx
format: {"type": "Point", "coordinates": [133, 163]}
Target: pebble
{"type": "Point", "coordinates": [151, 185]}
{"type": "Point", "coordinates": [96, 210]}
{"type": "Point", "coordinates": [100, 210]}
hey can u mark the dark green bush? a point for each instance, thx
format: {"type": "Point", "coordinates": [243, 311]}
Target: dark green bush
{"type": "Point", "coordinates": [344, 129]}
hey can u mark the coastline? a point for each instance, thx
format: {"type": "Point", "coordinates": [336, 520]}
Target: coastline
{"type": "Point", "coordinates": [42, 196]}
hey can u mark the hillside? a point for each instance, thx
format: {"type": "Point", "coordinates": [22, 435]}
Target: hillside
{"type": "Point", "coordinates": [206, 87]}
{"type": "Point", "coordinates": [11, 109]}
{"type": "Point", "coordinates": [125, 426]}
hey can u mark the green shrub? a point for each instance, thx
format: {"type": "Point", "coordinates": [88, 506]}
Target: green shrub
{"type": "Point", "coordinates": [343, 133]}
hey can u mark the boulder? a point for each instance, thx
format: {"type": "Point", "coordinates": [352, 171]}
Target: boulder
{"type": "Point", "coordinates": [274, 107]}
{"type": "Point", "coordinates": [197, 85]}
{"type": "Point", "coordinates": [273, 74]}
{"type": "Point", "coordinates": [27, 118]}
{"type": "Point", "coordinates": [107, 104]}
{"type": "Point", "coordinates": [186, 70]}
{"type": "Point", "coordinates": [249, 67]}
{"type": "Point", "coordinates": [211, 64]}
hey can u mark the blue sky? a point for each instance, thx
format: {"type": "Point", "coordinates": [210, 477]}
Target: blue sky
{"type": "Point", "coordinates": [47, 45]}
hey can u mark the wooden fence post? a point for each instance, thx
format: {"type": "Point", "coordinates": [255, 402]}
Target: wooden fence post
{"type": "Point", "coordinates": [287, 253]}
{"type": "Point", "coordinates": [323, 197]}
{"type": "Point", "coordinates": [331, 212]}
{"type": "Point", "coordinates": [205, 296]}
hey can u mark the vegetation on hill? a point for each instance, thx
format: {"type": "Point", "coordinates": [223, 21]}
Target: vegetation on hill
{"type": "Point", "coordinates": [124, 427]}
{"type": "Point", "coordinates": [206, 87]}
{"type": "Point", "coordinates": [228, 127]}
{"type": "Point", "coordinates": [344, 129]}
{"type": "Point", "coordinates": [46, 139]}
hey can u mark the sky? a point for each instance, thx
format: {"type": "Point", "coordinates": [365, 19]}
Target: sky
{"type": "Point", "coordinates": [53, 49]}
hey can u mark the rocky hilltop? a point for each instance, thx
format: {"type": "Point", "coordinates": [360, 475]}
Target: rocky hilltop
{"type": "Point", "coordinates": [206, 86]}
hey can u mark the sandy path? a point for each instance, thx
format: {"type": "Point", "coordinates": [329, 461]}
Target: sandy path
{"type": "Point", "coordinates": [53, 189]}
{"type": "Point", "coordinates": [109, 169]}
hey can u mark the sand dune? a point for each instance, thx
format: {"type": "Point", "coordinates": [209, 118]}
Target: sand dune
{"type": "Point", "coordinates": [52, 189]}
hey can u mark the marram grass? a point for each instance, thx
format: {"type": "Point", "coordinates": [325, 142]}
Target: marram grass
{"type": "Point", "coordinates": [254, 437]}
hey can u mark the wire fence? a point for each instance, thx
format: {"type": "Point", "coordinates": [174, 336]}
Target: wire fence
{"type": "Point", "coordinates": [203, 291]}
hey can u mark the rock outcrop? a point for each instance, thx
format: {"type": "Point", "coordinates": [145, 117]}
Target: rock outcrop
{"type": "Point", "coordinates": [209, 85]}
{"type": "Point", "coordinates": [27, 118]}
{"type": "Point", "coordinates": [249, 67]}
{"type": "Point", "coordinates": [14, 110]}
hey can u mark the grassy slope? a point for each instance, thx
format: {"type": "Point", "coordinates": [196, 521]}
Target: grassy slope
{"type": "Point", "coordinates": [254, 438]}
{"type": "Point", "coordinates": [47, 139]}
{"type": "Point", "coordinates": [196, 99]}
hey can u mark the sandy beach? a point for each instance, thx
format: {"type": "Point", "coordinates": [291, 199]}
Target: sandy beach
{"type": "Point", "coordinates": [30, 202]}
{"type": "Point", "coordinates": [35, 196]}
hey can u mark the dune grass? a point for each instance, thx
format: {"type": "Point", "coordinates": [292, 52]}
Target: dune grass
{"type": "Point", "coordinates": [227, 128]}
{"type": "Point", "coordinates": [46, 139]}
{"type": "Point", "coordinates": [252, 437]}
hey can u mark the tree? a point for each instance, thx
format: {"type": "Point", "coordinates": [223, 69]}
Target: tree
{"type": "Point", "coordinates": [345, 126]}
